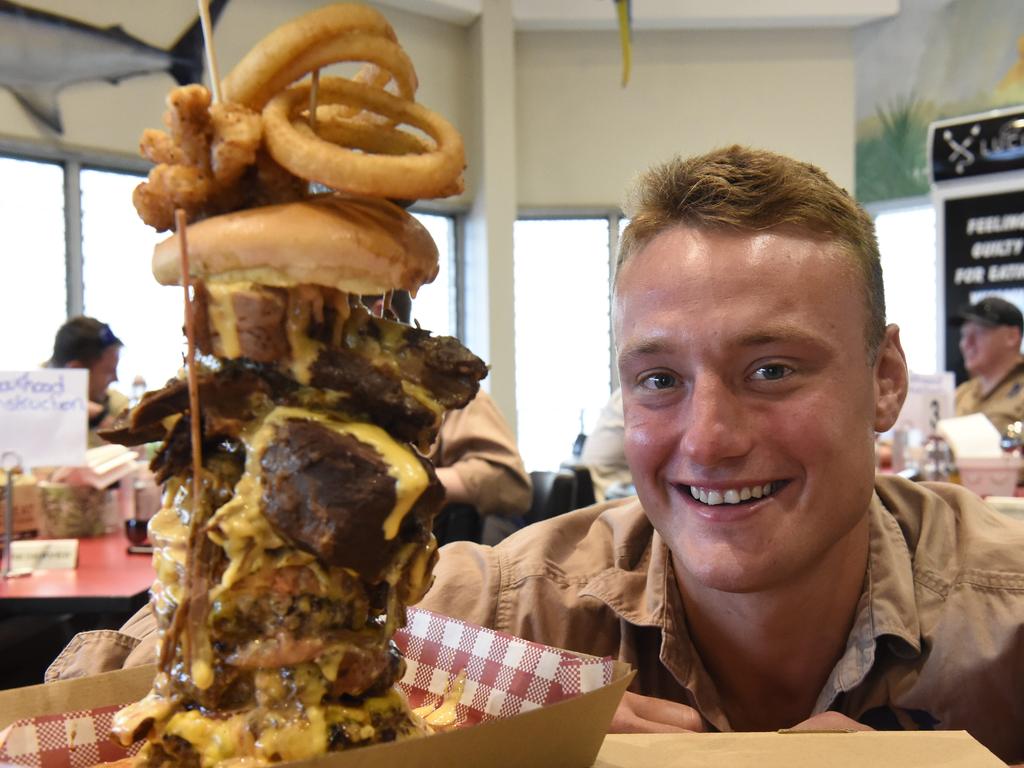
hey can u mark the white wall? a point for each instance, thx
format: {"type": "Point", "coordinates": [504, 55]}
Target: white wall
{"type": "Point", "coordinates": [582, 137]}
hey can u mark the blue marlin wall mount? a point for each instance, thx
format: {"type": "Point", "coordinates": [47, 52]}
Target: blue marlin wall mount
{"type": "Point", "coordinates": [43, 53]}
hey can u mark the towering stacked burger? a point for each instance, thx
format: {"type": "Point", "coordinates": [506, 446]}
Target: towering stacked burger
{"type": "Point", "coordinates": [281, 582]}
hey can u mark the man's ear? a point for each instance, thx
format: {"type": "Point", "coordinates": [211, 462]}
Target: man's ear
{"type": "Point", "coordinates": [74, 364]}
{"type": "Point", "coordinates": [891, 379]}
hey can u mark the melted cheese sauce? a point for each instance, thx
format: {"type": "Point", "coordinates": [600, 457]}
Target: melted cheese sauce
{"type": "Point", "coordinates": [281, 734]}
{"type": "Point", "coordinates": [223, 321]}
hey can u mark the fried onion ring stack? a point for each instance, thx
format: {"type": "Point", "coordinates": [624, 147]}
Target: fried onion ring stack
{"type": "Point", "coordinates": [280, 587]}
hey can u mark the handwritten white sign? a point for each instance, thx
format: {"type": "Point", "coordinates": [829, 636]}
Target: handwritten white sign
{"type": "Point", "coordinates": [44, 415]}
{"type": "Point", "coordinates": [45, 555]}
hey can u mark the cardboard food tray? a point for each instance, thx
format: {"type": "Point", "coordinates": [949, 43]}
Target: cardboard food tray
{"type": "Point", "coordinates": [524, 704]}
{"type": "Point", "coordinates": [796, 749]}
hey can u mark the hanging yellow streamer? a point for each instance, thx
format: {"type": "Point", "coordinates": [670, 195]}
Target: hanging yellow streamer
{"type": "Point", "coordinates": [625, 35]}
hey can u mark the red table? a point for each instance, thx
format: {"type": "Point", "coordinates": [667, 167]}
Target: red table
{"type": "Point", "coordinates": [107, 580]}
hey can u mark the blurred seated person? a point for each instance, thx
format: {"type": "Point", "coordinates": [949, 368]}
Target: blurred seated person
{"type": "Point", "coordinates": [84, 342]}
{"type": "Point", "coordinates": [990, 337]}
{"type": "Point", "coordinates": [475, 457]}
{"type": "Point", "coordinates": [604, 453]}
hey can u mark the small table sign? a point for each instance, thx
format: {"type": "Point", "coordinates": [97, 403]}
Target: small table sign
{"type": "Point", "coordinates": [44, 555]}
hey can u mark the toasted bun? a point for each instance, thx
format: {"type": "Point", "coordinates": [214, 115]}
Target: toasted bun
{"type": "Point", "coordinates": [355, 244]}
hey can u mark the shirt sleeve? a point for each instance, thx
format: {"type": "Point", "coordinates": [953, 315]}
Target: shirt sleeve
{"type": "Point", "coordinates": [466, 584]}
{"type": "Point", "coordinates": [104, 650]}
{"type": "Point", "coordinates": [477, 443]}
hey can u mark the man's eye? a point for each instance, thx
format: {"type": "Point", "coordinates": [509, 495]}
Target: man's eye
{"type": "Point", "coordinates": [658, 381]}
{"type": "Point", "coordinates": [772, 372]}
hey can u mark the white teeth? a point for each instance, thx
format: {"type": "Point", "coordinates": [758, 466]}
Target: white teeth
{"type": "Point", "coordinates": [730, 495]}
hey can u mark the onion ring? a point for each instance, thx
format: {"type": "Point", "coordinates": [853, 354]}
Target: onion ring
{"type": "Point", "coordinates": [272, 64]}
{"type": "Point", "coordinates": [436, 173]}
{"type": "Point", "coordinates": [358, 133]}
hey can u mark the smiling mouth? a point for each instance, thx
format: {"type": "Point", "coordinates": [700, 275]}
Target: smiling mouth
{"type": "Point", "coordinates": [739, 495]}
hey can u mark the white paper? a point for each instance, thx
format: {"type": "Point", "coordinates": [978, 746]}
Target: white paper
{"type": "Point", "coordinates": [44, 555]}
{"type": "Point", "coordinates": [104, 466]}
{"type": "Point", "coordinates": [929, 400]}
{"type": "Point", "coordinates": [44, 415]}
{"type": "Point", "coordinates": [971, 437]}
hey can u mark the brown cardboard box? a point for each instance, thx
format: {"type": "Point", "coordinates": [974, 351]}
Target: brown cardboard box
{"type": "Point", "coordinates": [563, 735]}
{"type": "Point", "coordinates": [794, 749]}
{"type": "Point", "coordinates": [27, 509]}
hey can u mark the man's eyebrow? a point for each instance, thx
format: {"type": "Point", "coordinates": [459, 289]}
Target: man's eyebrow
{"type": "Point", "coordinates": [786, 334]}
{"type": "Point", "coordinates": [782, 334]}
{"type": "Point", "coordinates": [644, 347]}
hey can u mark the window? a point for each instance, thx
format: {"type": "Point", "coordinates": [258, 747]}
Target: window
{"type": "Point", "coordinates": [33, 299]}
{"type": "Point", "coordinates": [434, 306]}
{"type": "Point", "coordinates": [562, 333]}
{"type": "Point", "coordinates": [906, 241]}
{"type": "Point", "coordinates": [118, 282]}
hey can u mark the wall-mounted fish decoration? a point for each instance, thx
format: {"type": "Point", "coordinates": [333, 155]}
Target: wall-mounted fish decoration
{"type": "Point", "coordinates": [42, 53]}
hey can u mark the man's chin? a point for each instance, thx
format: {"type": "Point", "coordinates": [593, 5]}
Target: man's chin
{"type": "Point", "coordinates": [728, 569]}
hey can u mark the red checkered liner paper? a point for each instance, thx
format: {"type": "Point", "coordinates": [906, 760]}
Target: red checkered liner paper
{"type": "Point", "coordinates": [505, 676]}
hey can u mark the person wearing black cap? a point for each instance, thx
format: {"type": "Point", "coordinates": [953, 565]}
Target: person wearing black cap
{"type": "Point", "coordinates": [84, 342]}
{"type": "Point", "coordinates": [990, 338]}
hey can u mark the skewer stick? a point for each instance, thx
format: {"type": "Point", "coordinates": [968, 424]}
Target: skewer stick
{"type": "Point", "coordinates": [314, 99]}
{"type": "Point", "coordinates": [211, 53]}
{"type": "Point", "coordinates": [190, 362]}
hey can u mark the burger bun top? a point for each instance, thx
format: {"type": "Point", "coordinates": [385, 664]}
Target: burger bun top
{"type": "Point", "coordinates": [361, 245]}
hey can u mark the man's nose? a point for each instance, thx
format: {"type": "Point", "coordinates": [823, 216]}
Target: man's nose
{"type": "Point", "coordinates": [717, 426]}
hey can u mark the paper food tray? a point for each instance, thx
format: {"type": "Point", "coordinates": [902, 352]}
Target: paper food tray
{"type": "Point", "coordinates": [529, 704]}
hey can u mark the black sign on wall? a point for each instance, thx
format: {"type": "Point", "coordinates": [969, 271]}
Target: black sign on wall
{"type": "Point", "coordinates": [984, 242]}
{"type": "Point", "coordinates": [977, 144]}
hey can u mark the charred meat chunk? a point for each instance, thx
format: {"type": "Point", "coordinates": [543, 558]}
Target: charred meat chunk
{"type": "Point", "coordinates": [330, 494]}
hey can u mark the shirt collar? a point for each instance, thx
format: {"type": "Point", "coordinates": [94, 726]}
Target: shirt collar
{"type": "Point", "coordinates": [640, 588]}
{"type": "Point", "coordinates": [887, 608]}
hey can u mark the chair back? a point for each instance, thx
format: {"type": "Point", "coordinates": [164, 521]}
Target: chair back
{"type": "Point", "coordinates": [553, 494]}
{"type": "Point", "coordinates": [584, 496]}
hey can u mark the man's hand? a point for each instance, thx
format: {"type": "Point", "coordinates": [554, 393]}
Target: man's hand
{"type": "Point", "coordinates": [644, 714]}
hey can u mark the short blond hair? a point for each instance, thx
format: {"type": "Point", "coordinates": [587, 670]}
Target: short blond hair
{"type": "Point", "coordinates": [749, 190]}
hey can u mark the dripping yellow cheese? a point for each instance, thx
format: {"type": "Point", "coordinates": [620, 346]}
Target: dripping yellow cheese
{"type": "Point", "coordinates": [224, 322]}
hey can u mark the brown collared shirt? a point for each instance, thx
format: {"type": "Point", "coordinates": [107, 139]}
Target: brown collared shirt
{"type": "Point", "coordinates": [1003, 405]}
{"type": "Point", "coordinates": [938, 641]}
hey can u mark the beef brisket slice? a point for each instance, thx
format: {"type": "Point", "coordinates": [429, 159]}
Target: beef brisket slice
{"type": "Point", "coordinates": [330, 494]}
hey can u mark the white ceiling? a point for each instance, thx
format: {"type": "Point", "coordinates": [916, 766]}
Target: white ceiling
{"type": "Point", "coordinates": [665, 14]}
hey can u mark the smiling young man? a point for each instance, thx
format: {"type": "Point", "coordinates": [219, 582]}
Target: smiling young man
{"type": "Point", "coordinates": [764, 578]}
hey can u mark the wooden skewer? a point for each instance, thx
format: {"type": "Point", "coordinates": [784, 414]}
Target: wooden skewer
{"type": "Point", "coordinates": [211, 53]}
{"type": "Point", "coordinates": [314, 98]}
{"type": "Point", "coordinates": [181, 226]}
